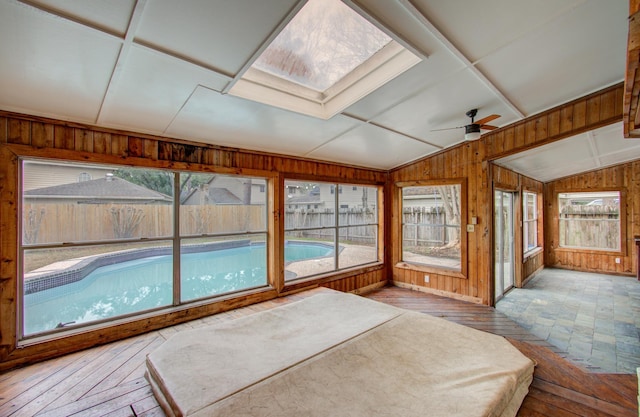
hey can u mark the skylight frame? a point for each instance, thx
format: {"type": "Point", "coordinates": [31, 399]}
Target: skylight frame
{"type": "Point", "coordinates": [384, 65]}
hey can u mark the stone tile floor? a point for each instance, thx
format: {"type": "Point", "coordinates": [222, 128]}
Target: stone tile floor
{"type": "Point", "coordinates": [593, 317]}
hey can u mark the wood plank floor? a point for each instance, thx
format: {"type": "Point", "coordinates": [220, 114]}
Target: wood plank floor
{"type": "Point", "coordinates": [109, 380]}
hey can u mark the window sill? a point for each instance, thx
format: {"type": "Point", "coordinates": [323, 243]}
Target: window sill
{"type": "Point", "coordinates": [456, 273]}
{"type": "Point", "coordinates": [593, 251]}
{"type": "Point", "coordinates": [531, 253]}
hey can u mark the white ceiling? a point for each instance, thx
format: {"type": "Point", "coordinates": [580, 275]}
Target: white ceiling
{"type": "Point", "coordinates": [596, 149]}
{"type": "Point", "coordinates": [163, 67]}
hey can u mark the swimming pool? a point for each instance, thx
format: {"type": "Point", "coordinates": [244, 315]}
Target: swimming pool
{"type": "Point", "coordinates": [146, 283]}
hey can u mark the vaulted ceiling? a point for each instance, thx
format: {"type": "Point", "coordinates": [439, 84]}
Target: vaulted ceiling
{"type": "Point", "coordinates": [165, 67]}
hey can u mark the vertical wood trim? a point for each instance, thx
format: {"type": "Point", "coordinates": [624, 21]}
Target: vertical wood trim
{"type": "Point", "coordinates": [8, 248]}
{"type": "Point", "coordinates": [3, 130]}
{"type": "Point", "coordinates": [276, 233]}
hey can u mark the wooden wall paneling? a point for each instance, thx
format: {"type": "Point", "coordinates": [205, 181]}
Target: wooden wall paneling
{"type": "Point", "coordinates": [19, 132]}
{"type": "Point", "coordinates": [42, 135]}
{"type": "Point", "coordinates": [64, 137]}
{"type": "Point", "coordinates": [541, 128]}
{"type": "Point", "coordinates": [3, 130]}
{"type": "Point", "coordinates": [553, 119]}
{"type": "Point", "coordinates": [150, 149]}
{"type": "Point", "coordinates": [579, 115]}
{"type": "Point", "coordinates": [566, 119]}
{"type": "Point", "coordinates": [102, 143]}
{"type": "Point", "coordinates": [595, 110]}
{"type": "Point", "coordinates": [83, 140]}
{"type": "Point", "coordinates": [8, 248]}
{"type": "Point", "coordinates": [530, 132]}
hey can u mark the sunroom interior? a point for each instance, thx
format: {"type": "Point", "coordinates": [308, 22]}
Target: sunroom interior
{"type": "Point", "coordinates": [151, 129]}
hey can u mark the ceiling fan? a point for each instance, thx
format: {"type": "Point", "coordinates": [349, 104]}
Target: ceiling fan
{"type": "Point", "coordinates": [472, 130]}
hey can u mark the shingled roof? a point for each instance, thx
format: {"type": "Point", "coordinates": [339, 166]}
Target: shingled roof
{"type": "Point", "coordinates": [112, 188]}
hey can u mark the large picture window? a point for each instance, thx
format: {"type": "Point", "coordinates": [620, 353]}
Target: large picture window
{"type": "Point", "coordinates": [529, 221]}
{"type": "Point", "coordinates": [590, 220]}
{"type": "Point", "coordinates": [132, 240]}
{"type": "Point", "coordinates": [327, 231]}
{"type": "Point", "coordinates": [431, 225]}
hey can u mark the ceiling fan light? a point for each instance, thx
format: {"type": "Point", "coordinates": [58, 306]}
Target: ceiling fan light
{"type": "Point", "coordinates": [472, 131]}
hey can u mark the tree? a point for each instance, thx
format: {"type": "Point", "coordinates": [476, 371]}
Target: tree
{"type": "Point", "coordinates": [450, 195]}
{"type": "Point", "coordinates": [161, 181]}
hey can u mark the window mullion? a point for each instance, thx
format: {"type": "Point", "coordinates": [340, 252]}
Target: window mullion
{"type": "Point", "coordinates": [176, 239]}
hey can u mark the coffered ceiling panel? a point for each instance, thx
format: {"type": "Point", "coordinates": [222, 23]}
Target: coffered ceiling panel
{"type": "Point", "coordinates": [219, 34]}
{"type": "Point", "coordinates": [368, 145]}
{"type": "Point", "coordinates": [230, 121]}
{"type": "Point", "coordinates": [479, 28]}
{"type": "Point", "coordinates": [570, 56]}
{"type": "Point", "coordinates": [109, 15]}
{"type": "Point", "coordinates": [152, 89]}
{"type": "Point", "coordinates": [444, 105]}
{"type": "Point", "coordinates": [52, 67]}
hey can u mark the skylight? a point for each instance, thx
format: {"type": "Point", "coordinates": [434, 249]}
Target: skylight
{"type": "Point", "coordinates": [324, 42]}
{"type": "Point", "coordinates": [325, 59]}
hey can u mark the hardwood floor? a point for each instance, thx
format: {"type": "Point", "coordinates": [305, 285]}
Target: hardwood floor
{"type": "Point", "coordinates": [109, 380]}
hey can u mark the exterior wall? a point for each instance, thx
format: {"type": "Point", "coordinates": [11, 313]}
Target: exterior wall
{"type": "Point", "coordinates": [26, 136]}
{"type": "Point", "coordinates": [626, 178]}
{"type": "Point", "coordinates": [44, 176]}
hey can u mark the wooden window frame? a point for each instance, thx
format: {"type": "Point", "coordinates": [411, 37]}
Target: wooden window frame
{"type": "Point", "coordinates": [338, 185]}
{"type": "Point", "coordinates": [622, 219]}
{"type": "Point", "coordinates": [457, 273]}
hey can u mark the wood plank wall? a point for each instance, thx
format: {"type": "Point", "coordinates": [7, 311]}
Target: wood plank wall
{"type": "Point", "coordinates": [27, 136]}
{"type": "Point", "coordinates": [624, 177]}
{"type": "Point", "coordinates": [472, 162]}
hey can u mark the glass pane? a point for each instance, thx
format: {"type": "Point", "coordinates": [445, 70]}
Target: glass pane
{"type": "Point", "coordinates": [357, 205]}
{"type": "Point", "coordinates": [325, 41]}
{"type": "Point", "coordinates": [213, 203]}
{"type": "Point", "coordinates": [530, 206]}
{"type": "Point", "coordinates": [357, 246]}
{"type": "Point", "coordinates": [309, 253]}
{"type": "Point", "coordinates": [431, 217]}
{"type": "Point", "coordinates": [309, 205]}
{"type": "Point", "coordinates": [531, 235]}
{"type": "Point", "coordinates": [65, 202]}
{"type": "Point", "coordinates": [590, 220]}
{"type": "Point", "coordinates": [217, 266]}
{"type": "Point", "coordinates": [69, 286]}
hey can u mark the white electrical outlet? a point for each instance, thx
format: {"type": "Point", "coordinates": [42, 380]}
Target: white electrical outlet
{"type": "Point", "coordinates": [617, 260]}
{"type": "Point", "coordinates": [426, 278]}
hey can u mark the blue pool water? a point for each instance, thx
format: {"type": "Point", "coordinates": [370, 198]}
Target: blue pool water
{"type": "Point", "coordinates": [146, 283]}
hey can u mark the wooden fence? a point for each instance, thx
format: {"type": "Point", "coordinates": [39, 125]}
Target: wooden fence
{"type": "Point", "coordinates": [590, 227]}
{"type": "Point", "coordinates": [426, 226]}
{"type": "Point", "coordinates": [320, 225]}
{"type": "Point", "coordinates": [57, 223]}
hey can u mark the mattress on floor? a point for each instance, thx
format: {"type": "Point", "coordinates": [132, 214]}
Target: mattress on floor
{"type": "Point", "coordinates": [338, 354]}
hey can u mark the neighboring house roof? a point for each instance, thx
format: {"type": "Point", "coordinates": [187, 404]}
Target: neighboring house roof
{"type": "Point", "coordinates": [212, 195]}
{"type": "Point", "coordinates": [112, 188]}
{"type": "Point", "coordinates": [304, 199]}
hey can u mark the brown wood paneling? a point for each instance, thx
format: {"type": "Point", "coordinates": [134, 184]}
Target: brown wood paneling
{"type": "Point", "coordinates": [587, 113]}
{"type": "Point", "coordinates": [620, 177]}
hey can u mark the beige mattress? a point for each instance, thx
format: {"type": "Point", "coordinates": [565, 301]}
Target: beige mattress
{"type": "Point", "coordinates": [338, 354]}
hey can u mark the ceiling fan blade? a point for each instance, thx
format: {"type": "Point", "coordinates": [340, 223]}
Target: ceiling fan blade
{"type": "Point", "coordinates": [446, 128]}
{"type": "Point", "coordinates": [488, 127]}
{"type": "Point", "coordinates": [487, 119]}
